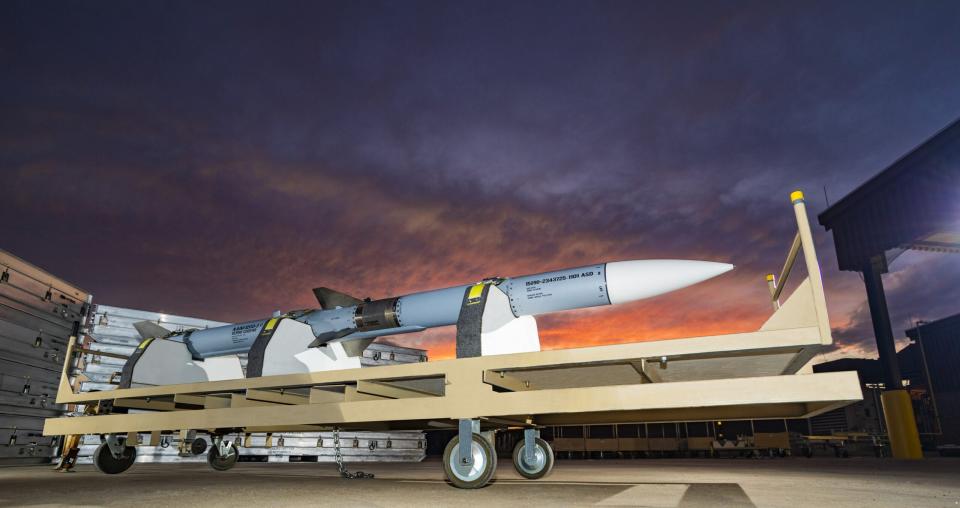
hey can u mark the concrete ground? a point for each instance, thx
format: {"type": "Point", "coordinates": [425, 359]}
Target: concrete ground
{"type": "Point", "coordinates": [787, 482]}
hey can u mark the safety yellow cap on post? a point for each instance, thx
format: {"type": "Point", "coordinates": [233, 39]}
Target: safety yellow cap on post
{"type": "Point", "coordinates": [796, 196]}
{"type": "Point", "coordinates": [770, 277]}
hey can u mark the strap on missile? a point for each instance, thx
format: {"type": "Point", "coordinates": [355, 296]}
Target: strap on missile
{"type": "Point", "coordinates": [470, 321]}
{"type": "Point", "coordinates": [126, 374]}
{"type": "Point", "coordinates": [259, 349]}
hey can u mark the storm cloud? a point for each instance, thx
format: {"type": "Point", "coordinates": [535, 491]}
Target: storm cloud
{"type": "Point", "coordinates": [220, 159]}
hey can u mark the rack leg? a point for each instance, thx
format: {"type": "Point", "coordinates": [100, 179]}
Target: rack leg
{"type": "Point", "coordinates": [530, 444]}
{"type": "Point", "coordinates": [467, 428]}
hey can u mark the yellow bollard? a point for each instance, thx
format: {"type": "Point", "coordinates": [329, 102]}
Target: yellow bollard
{"type": "Point", "coordinates": [901, 425]}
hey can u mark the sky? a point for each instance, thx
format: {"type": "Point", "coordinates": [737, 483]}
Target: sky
{"type": "Point", "coordinates": [220, 159]}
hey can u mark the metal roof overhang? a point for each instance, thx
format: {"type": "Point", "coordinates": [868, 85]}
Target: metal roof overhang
{"type": "Point", "coordinates": [913, 204]}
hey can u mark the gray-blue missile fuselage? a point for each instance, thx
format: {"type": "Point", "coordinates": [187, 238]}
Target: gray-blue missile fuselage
{"type": "Point", "coordinates": [529, 295]}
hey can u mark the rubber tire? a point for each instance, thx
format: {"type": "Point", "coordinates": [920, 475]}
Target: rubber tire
{"type": "Point", "coordinates": [548, 466]}
{"type": "Point", "coordinates": [486, 475]}
{"type": "Point", "coordinates": [106, 463]}
{"type": "Point", "coordinates": [198, 446]}
{"type": "Point", "coordinates": [220, 463]}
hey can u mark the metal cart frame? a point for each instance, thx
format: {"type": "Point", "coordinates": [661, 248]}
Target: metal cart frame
{"type": "Point", "coordinates": [740, 375]}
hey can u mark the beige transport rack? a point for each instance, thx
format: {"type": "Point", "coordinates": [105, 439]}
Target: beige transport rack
{"type": "Point", "coordinates": [113, 333]}
{"type": "Point", "coordinates": [741, 375]}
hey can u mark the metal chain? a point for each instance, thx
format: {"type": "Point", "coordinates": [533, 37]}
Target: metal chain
{"type": "Point", "coordinates": [338, 457]}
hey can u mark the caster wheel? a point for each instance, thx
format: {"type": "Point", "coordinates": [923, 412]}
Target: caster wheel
{"type": "Point", "coordinates": [479, 473]}
{"type": "Point", "coordinates": [108, 464]}
{"type": "Point", "coordinates": [542, 460]}
{"type": "Point", "coordinates": [198, 446]}
{"type": "Point", "coordinates": [223, 463]}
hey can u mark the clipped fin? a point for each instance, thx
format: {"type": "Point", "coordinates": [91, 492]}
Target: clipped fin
{"type": "Point", "coordinates": [323, 338]}
{"type": "Point", "coordinates": [331, 298]}
{"type": "Point", "coordinates": [356, 347]}
{"type": "Point", "coordinates": [149, 329]}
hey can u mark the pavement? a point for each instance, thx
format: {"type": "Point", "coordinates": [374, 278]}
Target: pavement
{"type": "Point", "coordinates": [788, 482]}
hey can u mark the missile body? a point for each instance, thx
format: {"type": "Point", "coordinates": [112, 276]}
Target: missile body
{"type": "Point", "coordinates": [348, 318]}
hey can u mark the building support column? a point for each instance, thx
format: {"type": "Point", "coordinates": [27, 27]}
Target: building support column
{"type": "Point", "coordinates": [897, 407]}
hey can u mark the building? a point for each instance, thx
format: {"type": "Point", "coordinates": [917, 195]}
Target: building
{"type": "Point", "coordinates": [933, 358]}
{"type": "Point", "coordinates": [912, 204]}
{"type": "Point", "coordinates": [930, 376]}
{"type": "Point", "coordinates": [865, 416]}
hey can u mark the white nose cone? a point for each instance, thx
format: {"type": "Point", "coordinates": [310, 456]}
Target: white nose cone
{"type": "Point", "coordinates": [634, 280]}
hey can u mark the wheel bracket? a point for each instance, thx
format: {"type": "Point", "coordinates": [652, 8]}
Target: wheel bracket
{"type": "Point", "coordinates": [530, 445]}
{"type": "Point", "coordinates": [116, 447]}
{"type": "Point", "coordinates": [224, 446]}
{"type": "Point", "coordinates": [467, 428]}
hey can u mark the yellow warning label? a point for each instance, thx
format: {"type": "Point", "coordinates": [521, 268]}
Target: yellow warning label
{"type": "Point", "coordinates": [476, 291]}
{"type": "Point", "coordinates": [144, 343]}
{"type": "Point", "coordinates": [271, 324]}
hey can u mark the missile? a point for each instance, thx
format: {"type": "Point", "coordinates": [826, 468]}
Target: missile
{"type": "Point", "coordinates": [342, 317]}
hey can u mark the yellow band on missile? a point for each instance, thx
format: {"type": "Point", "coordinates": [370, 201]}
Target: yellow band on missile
{"type": "Point", "coordinates": [796, 196]}
{"type": "Point", "coordinates": [271, 324]}
{"type": "Point", "coordinates": [476, 291]}
{"type": "Point", "coordinates": [145, 343]}
{"type": "Point", "coordinates": [770, 277]}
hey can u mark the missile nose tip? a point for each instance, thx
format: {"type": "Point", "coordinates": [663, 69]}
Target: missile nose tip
{"type": "Point", "coordinates": [699, 271]}
{"type": "Point", "coordinates": [634, 280]}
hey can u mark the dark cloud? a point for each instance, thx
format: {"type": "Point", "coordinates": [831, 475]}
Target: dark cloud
{"type": "Point", "coordinates": [220, 159]}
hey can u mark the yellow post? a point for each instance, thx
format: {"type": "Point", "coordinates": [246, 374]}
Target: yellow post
{"type": "Point", "coordinates": [901, 425]}
{"type": "Point", "coordinates": [772, 286]}
{"type": "Point", "coordinates": [813, 267]}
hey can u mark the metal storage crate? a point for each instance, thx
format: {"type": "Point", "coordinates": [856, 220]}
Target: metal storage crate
{"type": "Point", "coordinates": [38, 313]}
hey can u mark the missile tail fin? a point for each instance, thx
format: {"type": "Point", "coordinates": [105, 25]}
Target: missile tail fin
{"type": "Point", "coordinates": [149, 329]}
{"type": "Point", "coordinates": [356, 347]}
{"type": "Point", "coordinates": [331, 298]}
{"type": "Point", "coordinates": [323, 338]}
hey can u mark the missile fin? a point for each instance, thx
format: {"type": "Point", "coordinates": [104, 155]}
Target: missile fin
{"type": "Point", "coordinates": [331, 298]}
{"type": "Point", "coordinates": [356, 347]}
{"type": "Point", "coordinates": [149, 329]}
{"type": "Point", "coordinates": [323, 338]}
